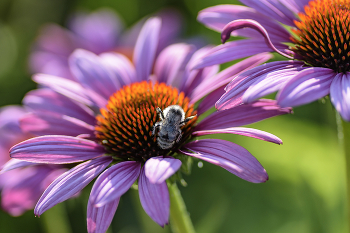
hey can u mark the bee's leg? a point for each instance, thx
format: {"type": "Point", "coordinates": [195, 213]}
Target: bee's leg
{"type": "Point", "coordinates": [187, 120]}
{"type": "Point", "coordinates": [160, 113]}
{"type": "Point", "coordinates": [156, 125]}
{"type": "Point", "coordinates": [180, 136]}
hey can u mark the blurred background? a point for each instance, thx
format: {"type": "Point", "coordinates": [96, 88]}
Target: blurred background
{"type": "Point", "coordinates": [306, 189]}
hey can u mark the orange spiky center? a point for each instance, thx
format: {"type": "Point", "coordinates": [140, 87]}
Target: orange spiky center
{"type": "Point", "coordinates": [125, 126]}
{"type": "Point", "coordinates": [323, 34]}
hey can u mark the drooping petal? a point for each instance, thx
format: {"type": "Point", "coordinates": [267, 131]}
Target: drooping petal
{"type": "Point", "coordinates": [242, 115]}
{"type": "Point", "coordinates": [99, 218]}
{"type": "Point", "coordinates": [15, 163]}
{"type": "Point", "coordinates": [54, 124]}
{"type": "Point", "coordinates": [340, 94]}
{"type": "Point", "coordinates": [158, 169]}
{"type": "Point", "coordinates": [242, 82]}
{"type": "Point", "coordinates": [216, 17]}
{"type": "Point", "coordinates": [231, 51]}
{"type": "Point", "coordinates": [45, 100]}
{"type": "Point", "coordinates": [249, 132]}
{"type": "Point", "coordinates": [146, 48]}
{"type": "Point", "coordinates": [154, 199]}
{"type": "Point", "coordinates": [229, 156]}
{"type": "Point", "coordinates": [243, 23]}
{"type": "Point", "coordinates": [70, 183]}
{"type": "Point", "coordinates": [56, 149]}
{"type": "Point", "coordinates": [226, 75]}
{"type": "Point", "coordinates": [209, 101]}
{"type": "Point", "coordinates": [88, 68]}
{"type": "Point", "coordinates": [307, 86]}
{"type": "Point", "coordinates": [274, 9]}
{"type": "Point", "coordinates": [114, 182]}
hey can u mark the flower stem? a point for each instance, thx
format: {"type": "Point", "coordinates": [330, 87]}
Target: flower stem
{"type": "Point", "coordinates": [346, 144]}
{"type": "Point", "coordinates": [180, 221]}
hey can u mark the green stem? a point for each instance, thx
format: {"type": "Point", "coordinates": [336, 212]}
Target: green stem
{"type": "Point", "coordinates": [180, 221]}
{"type": "Point", "coordinates": [346, 144]}
{"type": "Point", "coordinates": [55, 220]}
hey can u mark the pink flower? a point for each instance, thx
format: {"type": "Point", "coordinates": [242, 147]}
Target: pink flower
{"type": "Point", "coordinates": [21, 183]}
{"type": "Point", "coordinates": [319, 56]}
{"type": "Point", "coordinates": [113, 105]}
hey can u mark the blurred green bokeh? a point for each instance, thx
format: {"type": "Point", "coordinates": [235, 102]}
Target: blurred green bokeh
{"type": "Point", "coordinates": [306, 189]}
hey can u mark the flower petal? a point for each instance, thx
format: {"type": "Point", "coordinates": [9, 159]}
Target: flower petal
{"type": "Point", "coordinates": [229, 156]}
{"type": "Point", "coordinates": [146, 48]}
{"type": "Point", "coordinates": [99, 218]}
{"type": "Point", "coordinates": [158, 169]}
{"type": "Point", "coordinates": [242, 115]}
{"type": "Point", "coordinates": [340, 94]}
{"type": "Point", "coordinates": [15, 163]}
{"type": "Point", "coordinates": [308, 85]}
{"type": "Point", "coordinates": [114, 182]}
{"type": "Point", "coordinates": [71, 89]}
{"type": "Point", "coordinates": [216, 17]}
{"type": "Point", "coordinates": [45, 100]}
{"type": "Point", "coordinates": [154, 199]}
{"type": "Point", "coordinates": [277, 10]}
{"type": "Point", "coordinates": [54, 124]}
{"type": "Point", "coordinates": [170, 63]}
{"type": "Point", "coordinates": [93, 74]}
{"type": "Point", "coordinates": [231, 51]}
{"type": "Point", "coordinates": [70, 183]}
{"type": "Point", "coordinates": [225, 76]}
{"type": "Point", "coordinates": [242, 82]}
{"type": "Point", "coordinates": [56, 149]}
{"type": "Point", "coordinates": [243, 23]}
{"type": "Point", "coordinates": [249, 132]}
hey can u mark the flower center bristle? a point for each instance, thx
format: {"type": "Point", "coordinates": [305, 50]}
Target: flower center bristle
{"type": "Point", "coordinates": [323, 34]}
{"type": "Point", "coordinates": [125, 126]}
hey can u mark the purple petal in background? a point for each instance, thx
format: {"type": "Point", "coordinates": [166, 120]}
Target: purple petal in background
{"type": "Point", "coordinates": [229, 156]}
{"type": "Point", "coordinates": [242, 115]}
{"type": "Point", "coordinates": [307, 86]}
{"type": "Point", "coordinates": [249, 132]}
{"type": "Point", "coordinates": [146, 48]}
{"type": "Point", "coordinates": [56, 150]}
{"type": "Point", "coordinates": [158, 169]}
{"type": "Point", "coordinates": [99, 218]}
{"type": "Point", "coordinates": [340, 94]}
{"type": "Point", "coordinates": [114, 182]}
{"type": "Point", "coordinates": [154, 199]}
{"type": "Point", "coordinates": [98, 32]}
{"type": "Point", "coordinates": [70, 183]}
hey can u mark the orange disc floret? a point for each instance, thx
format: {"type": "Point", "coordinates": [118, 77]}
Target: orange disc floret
{"type": "Point", "coordinates": [322, 34]}
{"type": "Point", "coordinates": [125, 126]}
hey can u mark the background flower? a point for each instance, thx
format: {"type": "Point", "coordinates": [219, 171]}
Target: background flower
{"type": "Point", "coordinates": [320, 43]}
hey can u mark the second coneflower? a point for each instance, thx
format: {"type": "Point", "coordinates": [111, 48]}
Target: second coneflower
{"type": "Point", "coordinates": [114, 107]}
{"type": "Point", "coordinates": [319, 51]}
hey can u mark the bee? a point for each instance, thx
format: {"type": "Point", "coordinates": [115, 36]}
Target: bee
{"type": "Point", "coordinates": [172, 118]}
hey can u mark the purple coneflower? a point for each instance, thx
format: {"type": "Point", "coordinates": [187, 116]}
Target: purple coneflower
{"type": "Point", "coordinates": [99, 31]}
{"type": "Point", "coordinates": [112, 109]}
{"type": "Point", "coordinates": [20, 187]}
{"type": "Point", "coordinates": [319, 50]}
